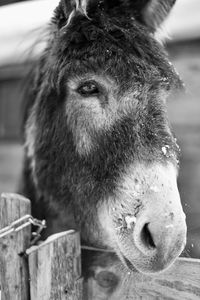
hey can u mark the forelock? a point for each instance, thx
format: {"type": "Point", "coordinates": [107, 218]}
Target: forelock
{"type": "Point", "coordinates": [121, 47]}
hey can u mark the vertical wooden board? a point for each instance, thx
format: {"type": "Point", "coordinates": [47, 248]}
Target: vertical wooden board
{"type": "Point", "coordinates": [13, 266]}
{"type": "Point", "coordinates": [55, 268]}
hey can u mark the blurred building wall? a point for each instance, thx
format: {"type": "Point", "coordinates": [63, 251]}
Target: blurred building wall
{"type": "Point", "coordinates": [4, 2]}
{"type": "Point", "coordinates": [12, 81]}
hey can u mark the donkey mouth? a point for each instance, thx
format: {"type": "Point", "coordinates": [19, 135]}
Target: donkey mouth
{"type": "Point", "coordinates": [128, 264]}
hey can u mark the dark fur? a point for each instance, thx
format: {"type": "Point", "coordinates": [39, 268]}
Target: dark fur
{"type": "Point", "coordinates": [65, 181]}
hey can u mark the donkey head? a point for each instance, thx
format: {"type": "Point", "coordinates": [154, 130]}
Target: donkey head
{"type": "Point", "coordinates": [101, 141]}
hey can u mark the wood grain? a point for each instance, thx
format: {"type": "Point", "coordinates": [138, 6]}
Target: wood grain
{"type": "Point", "coordinates": [55, 268]}
{"type": "Point", "coordinates": [180, 281]}
{"type": "Point", "coordinates": [13, 266]}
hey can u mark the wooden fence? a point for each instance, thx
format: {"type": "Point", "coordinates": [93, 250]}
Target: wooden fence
{"type": "Point", "coordinates": [52, 270]}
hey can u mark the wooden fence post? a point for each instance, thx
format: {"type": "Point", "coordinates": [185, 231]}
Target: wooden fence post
{"type": "Point", "coordinates": [13, 267]}
{"type": "Point", "coordinates": [55, 268]}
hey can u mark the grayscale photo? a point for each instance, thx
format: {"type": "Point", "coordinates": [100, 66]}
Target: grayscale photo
{"type": "Point", "coordinates": [99, 149]}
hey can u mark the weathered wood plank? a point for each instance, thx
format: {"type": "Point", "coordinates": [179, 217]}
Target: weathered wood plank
{"type": "Point", "coordinates": [13, 267]}
{"type": "Point", "coordinates": [55, 268]}
{"type": "Point", "coordinates": [181, 281]}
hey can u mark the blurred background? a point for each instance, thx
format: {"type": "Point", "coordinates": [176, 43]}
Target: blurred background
{"type": "Point", "coordinates": [20, 25]}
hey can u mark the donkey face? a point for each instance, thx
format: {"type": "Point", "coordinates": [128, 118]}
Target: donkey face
{"type": "Point", "coordinates": [97, 134]}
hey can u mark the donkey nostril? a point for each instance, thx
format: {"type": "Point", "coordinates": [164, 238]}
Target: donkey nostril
{"type": "Point", "coordinates": [147, 238]}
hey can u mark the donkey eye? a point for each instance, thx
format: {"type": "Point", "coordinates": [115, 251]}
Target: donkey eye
{"type": "Point", "coordinates": [87, 89]}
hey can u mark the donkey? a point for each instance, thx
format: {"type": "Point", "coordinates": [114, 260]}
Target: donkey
{"type": "Point", "coordinates": [100, 156]}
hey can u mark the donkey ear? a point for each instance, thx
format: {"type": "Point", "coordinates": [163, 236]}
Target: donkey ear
{"type": "Point", "coordinates": [70, 6]}
{"type": "Point", "coordinates": [154, 12]}
{"type": "Point", "coordinates": [67, 9]}
{"type": "Point", "coordinates": [149, 12]}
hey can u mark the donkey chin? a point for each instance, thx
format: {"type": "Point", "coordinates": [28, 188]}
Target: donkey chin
{"type": "Point", "coordinates": [148, 229]}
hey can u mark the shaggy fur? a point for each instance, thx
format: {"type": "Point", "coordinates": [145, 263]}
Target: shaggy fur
{"type": "Point", "coordinates": [110, 41]}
